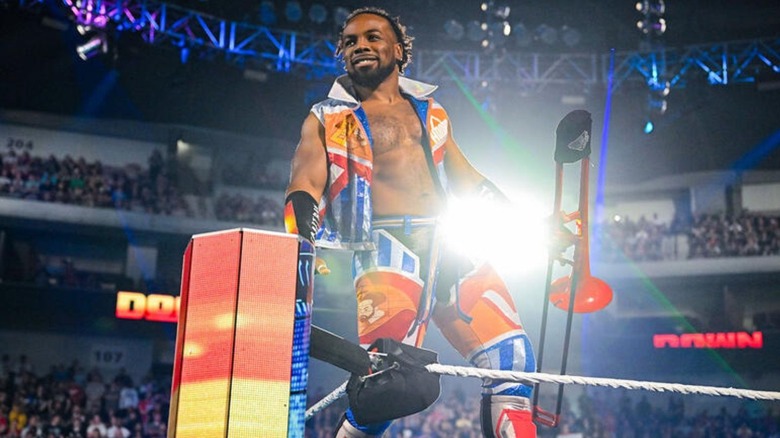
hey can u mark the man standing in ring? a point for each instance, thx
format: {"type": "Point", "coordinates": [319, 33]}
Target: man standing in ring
{"type": "Point", "coordinates": [372, 172]}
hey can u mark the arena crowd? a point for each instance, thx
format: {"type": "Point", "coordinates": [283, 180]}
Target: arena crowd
{"type": "Point", "coordinates": [149, 189]}
{"type": "Point", "coordinates": [73, 402]}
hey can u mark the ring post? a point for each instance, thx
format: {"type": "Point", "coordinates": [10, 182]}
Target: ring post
{"type": "Point", "coordinates": [242, 334]}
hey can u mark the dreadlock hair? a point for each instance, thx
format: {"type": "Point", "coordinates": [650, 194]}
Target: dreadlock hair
{"type": "Point", "coordinates": [395, 23]}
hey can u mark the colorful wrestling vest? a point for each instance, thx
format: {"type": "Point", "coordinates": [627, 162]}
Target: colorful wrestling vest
{"type": "Point", "coordinates": [345, 210]}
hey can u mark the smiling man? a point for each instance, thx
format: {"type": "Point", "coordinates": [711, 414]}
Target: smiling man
{"type": "Point", "coordinates": [372, 173]}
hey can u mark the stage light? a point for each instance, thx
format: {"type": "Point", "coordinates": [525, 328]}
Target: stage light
{"type": "Point", "coordinates": [656, 26]}
{"type": "Point", "coordinates": [484, 7]}
{"type": "Point", "coordinates": [547, 34]}
{"type": "Point", "coordinates": [498, 33]}
{"type": "Point", "coordinates": [651, 7]}
{"type": "Point", "coordinates": [502, 12]}
{"type": "Point", "coordinates": [83, 29]}
{"type": "Point", "coordinates": [318, 13]}
{"type": "Point", "coordinates": [293, 11]}
{"type": "Point", "coordinates": [570, 36]}
{"type": "Point", "coordinates": [649, 127]}
{"type": "Point", "coordinates": [454, 29]}
{"type": "Point", "coordinates": [97, 45]}
{"type": "Point", "coordinates": [506, 29]}
{"type": "Point", "coordinates": [658, 106]}
{"type": "Point", "coordinates": [475, 31]}
{"type": "Point", "coordinates": [660, 88]}
{"type": "Point", "coordinates": [469, 227]}
{"type": "Point", "coordinates": [267, 13]}
{"type": "Point", "coordinates": [340, 15]}
{"type": "Point", "coordinates": [522, 35]}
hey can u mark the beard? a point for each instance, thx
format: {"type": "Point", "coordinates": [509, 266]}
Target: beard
{"type": "Point", "coordinates": [371, 78]}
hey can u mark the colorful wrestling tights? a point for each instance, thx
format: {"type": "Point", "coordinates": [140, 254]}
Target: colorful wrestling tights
{"type": "Point", "coordinates": [475, 313]}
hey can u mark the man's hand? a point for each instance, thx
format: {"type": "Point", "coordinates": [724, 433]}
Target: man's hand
{"type": "Point", "coordinates": [320, 267]}
{"type": "Point", "coordinates": [561, 237]}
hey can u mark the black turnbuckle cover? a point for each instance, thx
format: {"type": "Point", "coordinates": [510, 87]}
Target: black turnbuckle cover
{"type": "Point", "coordinates": [399, 384]}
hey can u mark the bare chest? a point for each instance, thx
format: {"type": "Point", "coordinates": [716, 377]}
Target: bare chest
{"type": "Point", "coordinates": [393, 129]}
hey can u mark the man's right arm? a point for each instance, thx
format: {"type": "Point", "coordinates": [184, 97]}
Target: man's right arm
{"type": "Point", "coordinates": [308, 178]}
{"type": "Point", "coordinates": [309, 170]}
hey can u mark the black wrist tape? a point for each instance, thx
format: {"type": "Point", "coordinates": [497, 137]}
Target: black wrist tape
{"type": "Point", "coordinates": [301, 215]}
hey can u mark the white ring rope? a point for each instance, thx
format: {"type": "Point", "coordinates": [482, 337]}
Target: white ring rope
{"type": "Point", "coordinates": [600, 381]}
{"type": "Point", "coordinates": [518, 376]}
{"type": "Point", "coordinates": [327, 400]}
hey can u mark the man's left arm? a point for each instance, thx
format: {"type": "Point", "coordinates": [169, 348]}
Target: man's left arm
{"type": "Point", "coordinates": [464, 179]}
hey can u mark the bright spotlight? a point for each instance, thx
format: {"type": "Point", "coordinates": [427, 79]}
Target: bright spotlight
{"type": "Point", "coordinates": [506, 29]}
{"type": "Point", "coordinates": [83, 29]}
{"type": "Point", "coordinates": [649, 127]}
{"type": "Point", "coordinates": [97, 45]}
{"type": "Point", "coordinates": [662, 89]}
{"type": "Point", "coordinates": [651, 7]}
{"type": "Point", "coordinates": [654, 25]}
{"type": "Point", "coordinates": [475, 228]}
{"type": "Point", "coordinates": [498, 32]}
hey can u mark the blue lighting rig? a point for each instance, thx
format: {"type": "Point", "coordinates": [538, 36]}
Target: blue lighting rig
{"type": "Point", "coordinates": [311, 55]}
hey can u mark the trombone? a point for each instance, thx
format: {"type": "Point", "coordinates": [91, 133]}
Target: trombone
{"type": "Point", "coordinates": [580, 292]}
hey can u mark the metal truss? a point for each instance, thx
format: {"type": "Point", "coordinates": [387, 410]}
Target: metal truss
{"type": "Point", "coordinates": [716, 64]}
{"type": "Point", "coordinates": [524, 72]}
{"type": "Point", "coordinates": [312, 55]}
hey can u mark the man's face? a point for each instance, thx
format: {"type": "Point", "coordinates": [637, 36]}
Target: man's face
{"type": "Point", "coordinates": [365, 309]}
{"type": "Point", "coordinates": [370, 50]}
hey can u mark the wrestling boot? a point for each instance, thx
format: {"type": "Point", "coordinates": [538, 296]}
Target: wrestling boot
{"type": "Point", "coordinates": [507, 416]}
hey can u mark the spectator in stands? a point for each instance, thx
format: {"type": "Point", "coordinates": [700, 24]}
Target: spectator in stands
{"type": "Point", "coordinates": [117, 430]}
{"type": "Point", "coordinates": [745, 235]}
{"type": "Point", "coordinates": [90, 184]}
{"type": "Point", "coordinates": [156, 426]}
{"type": "Point", "coordinates": [94, 391]}
{"type": "Point", "coordinates": [241, 208]}
{"type": "Point", "coordinates": [17, 417]}
{"type": "Point", "coordinates": [97, 427]}
{"type": "Point", "coordinates": [34, 428]}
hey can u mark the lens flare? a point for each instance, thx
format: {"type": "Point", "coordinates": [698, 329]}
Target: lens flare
{"type": "Point", "coordinates": [512, 237]}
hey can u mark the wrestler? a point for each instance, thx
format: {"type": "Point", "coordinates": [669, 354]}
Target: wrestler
{"type": "Point", "coordinates": [372, 172]}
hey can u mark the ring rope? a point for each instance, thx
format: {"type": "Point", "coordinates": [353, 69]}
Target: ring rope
{"type": "Point", "coordinates": [327, 400]}
{"type": "Point", "coordinates": [519, 376]}
{"type": "Point", "coordinates": [600, 381]}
